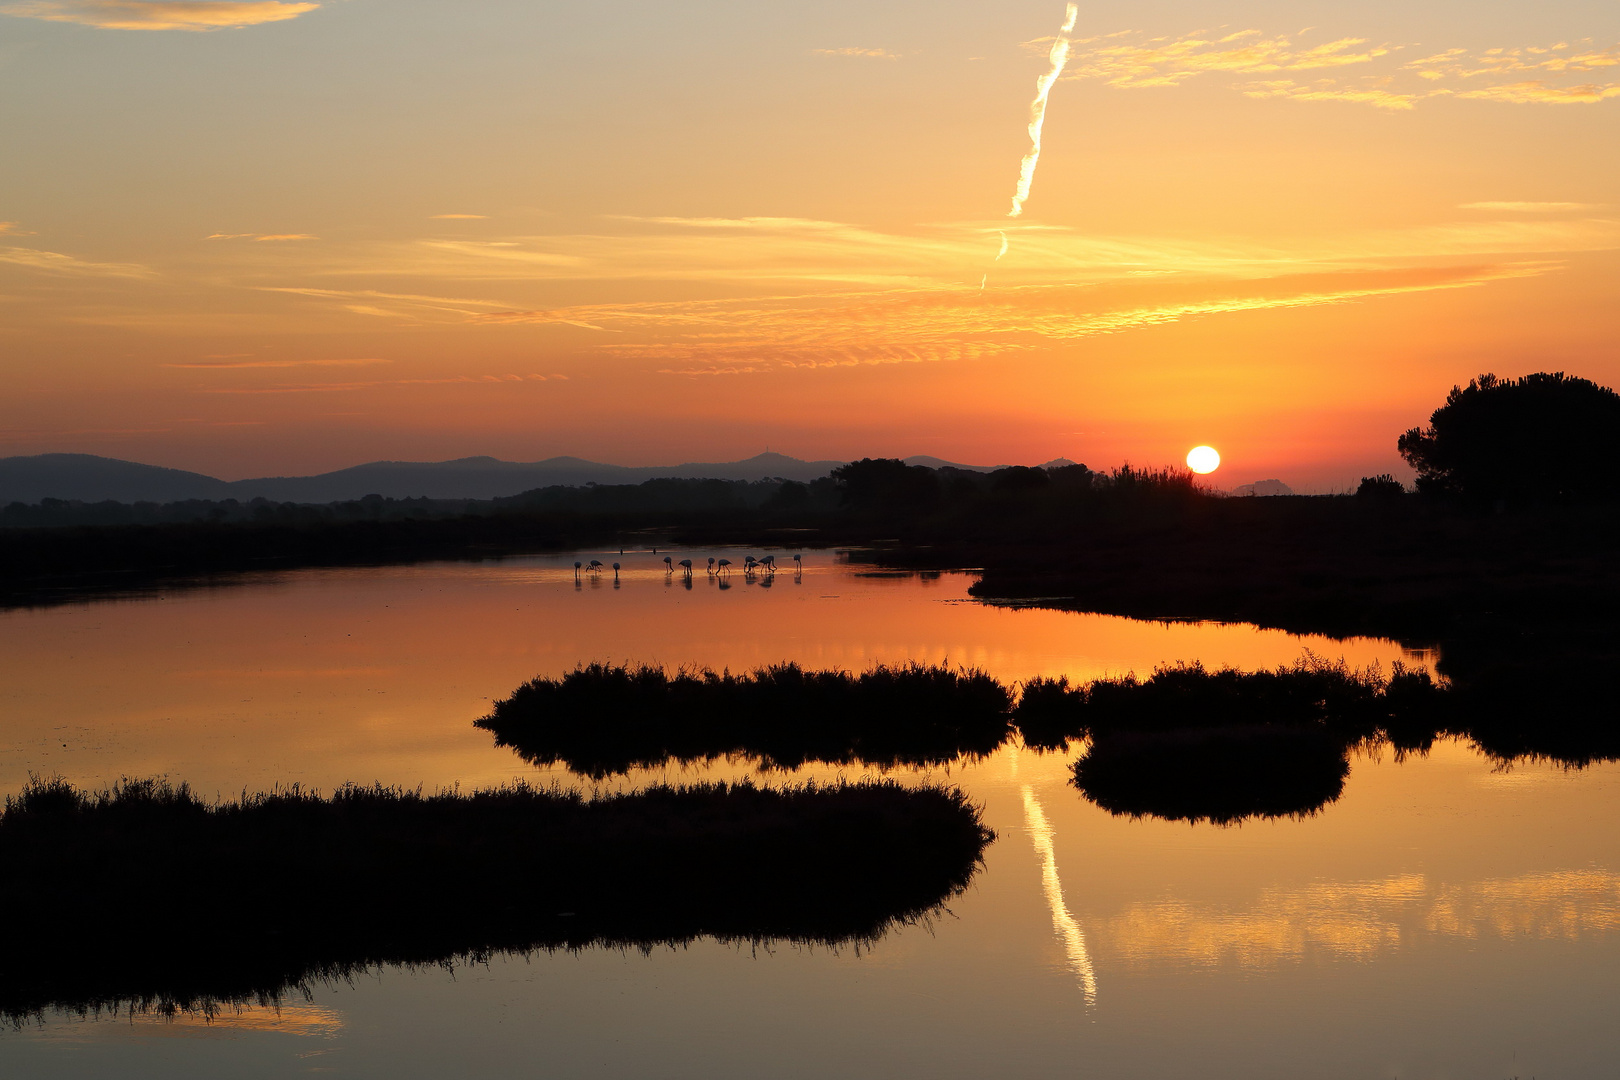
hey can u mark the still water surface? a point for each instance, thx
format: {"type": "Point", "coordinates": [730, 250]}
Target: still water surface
{"type": "Point", "coordinates": [1442, 919]}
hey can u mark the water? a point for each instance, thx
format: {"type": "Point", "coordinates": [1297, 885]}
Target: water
{"type": "Point", "coordinates": [1443, 918]}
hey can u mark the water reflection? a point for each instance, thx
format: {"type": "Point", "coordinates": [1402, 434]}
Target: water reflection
{"type": "Point", "coordinates": [1358, 919]}
{"type": "Point", "coordinates": [1064, 923]}
{"type": "Point", "coordinates": [198, 684]}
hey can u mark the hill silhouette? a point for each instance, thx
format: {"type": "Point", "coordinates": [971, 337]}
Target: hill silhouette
{"type": "Point", "coordinates": [89, 478]}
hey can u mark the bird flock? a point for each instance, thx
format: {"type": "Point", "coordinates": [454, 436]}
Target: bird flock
{"type": "Point", "coordinates": [717, 567]}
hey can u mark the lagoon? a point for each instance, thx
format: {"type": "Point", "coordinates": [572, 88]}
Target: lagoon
{"type": "Point", "coordinates": [1447, 916]}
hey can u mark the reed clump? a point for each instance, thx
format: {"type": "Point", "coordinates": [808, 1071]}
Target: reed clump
{"type": "Point", "coordinates": [144, 895]}
{"type": "Point", "coordinates": [1352, 704]}
{"type": "Point", "coordinates": [601, 719]}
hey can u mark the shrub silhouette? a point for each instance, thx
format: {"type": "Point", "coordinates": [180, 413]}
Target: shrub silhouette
{"type": "Point", "coordinates": [1546, 437]}
{"type": "Point", "coordinates": [1380, 488]}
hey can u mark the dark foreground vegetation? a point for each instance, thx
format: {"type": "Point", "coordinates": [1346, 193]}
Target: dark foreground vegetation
{"type": "Point", "coordinates": [603, 719]}
{"type": "Point", "coordinates": [146, 897]}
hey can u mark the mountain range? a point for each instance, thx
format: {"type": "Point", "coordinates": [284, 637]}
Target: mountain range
{"type": "Point", "coordinates": [88, 478]}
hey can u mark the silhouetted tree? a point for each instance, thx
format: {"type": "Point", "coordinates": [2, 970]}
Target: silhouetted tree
{"type": "Point", "coordinates": [1018, 478]}
{"type": "Point", "coordinates": [887, 484]}
{"type": "Point", "coordinates": [1547, 436]}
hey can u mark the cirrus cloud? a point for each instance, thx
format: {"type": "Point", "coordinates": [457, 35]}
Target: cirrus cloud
{"type": "Point", "coordinates": [160, 14]}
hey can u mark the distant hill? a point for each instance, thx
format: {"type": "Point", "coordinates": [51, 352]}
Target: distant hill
{"type": "Point", "coordinates": [88, 478]}
{"type": "Point", "coordinates": [96, 479]}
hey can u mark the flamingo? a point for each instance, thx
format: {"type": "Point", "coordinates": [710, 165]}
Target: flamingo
{"type": "Point", "coordinates": [711, 564]}
{"type": "Point", "coordinates": [669, 567]}
{"type": "Point", "coordinates": [577, 565]}
{"type": "Point", "coordinates": [686, 564]}
{"type": "Point", "coordinates": [800, 560]}
{"type": "Point", "coordinates": [724, 564]}
{"type": "Point", "coordinates": [596, 566]}
{"type": "Point", "coordinates": [748, 564]}
{"type": "Point", "coordinates": [769, 563]}
{"type": "Point", "coordinates": [615, 572]}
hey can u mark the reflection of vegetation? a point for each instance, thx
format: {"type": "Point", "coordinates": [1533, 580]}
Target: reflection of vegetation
{"type": "Point", "coordinates": [148, 897]}
{"type": "Point", "coordinates": [603, 719]}
{"type": "Point", "coordinates": [1221, 774]}
{"type": "Point", "coordinates": [1193, 744]}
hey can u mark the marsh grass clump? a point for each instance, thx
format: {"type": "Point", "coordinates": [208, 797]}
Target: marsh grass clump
{"type": "Point", "coordinates": [1353, 704]}
{"type": "Point", "coordinates": [145, 896]}
{"type": "Point", "coordinates": [601, 719]}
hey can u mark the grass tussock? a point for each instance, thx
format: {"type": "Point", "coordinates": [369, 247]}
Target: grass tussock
{"type": "Point", "coordinates": [1353, 704]}
{"type": "Point", "coordinates": [145, 896]}
{"type": "Point", "coordinates": [601, 719]}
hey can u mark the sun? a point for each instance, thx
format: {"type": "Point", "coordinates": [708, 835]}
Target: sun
{"type": "Point", "coordinates": [1203, 459]}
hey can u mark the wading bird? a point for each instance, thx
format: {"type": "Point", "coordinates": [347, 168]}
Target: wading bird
{"type": "Point", "coordinates": [724, 564]}
{"type": "Point", "coordinates": [711, 564]}
{"type": "Point", "coordinates": [577, 565]}
{"type": "Point", "coordinates": [686, 565]}
{"type": "Point", "coordinates": [596, 566]}
{"type": "Point", "coordinates": [615, 572]}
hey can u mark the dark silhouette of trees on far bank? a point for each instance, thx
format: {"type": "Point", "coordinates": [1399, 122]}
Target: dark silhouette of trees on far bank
{"type": "Point", "coordinates": [1548, 437]}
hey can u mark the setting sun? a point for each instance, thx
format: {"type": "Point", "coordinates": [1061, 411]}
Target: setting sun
{"type": "Point", "coordinates": [1203, 459]}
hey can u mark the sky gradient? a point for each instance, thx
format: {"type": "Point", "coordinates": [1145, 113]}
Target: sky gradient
{"type": "Point", "coordinates": [258, 238]}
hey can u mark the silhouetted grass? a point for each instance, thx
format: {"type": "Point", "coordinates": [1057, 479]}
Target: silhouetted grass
{"type": "Point", "coordinates": [1330, 695]}
{"type": "Point", "coordinates": [145, 896]}
{"type": "Point", "coordinates": [601, 719]}
{"type": "Point", "coordinates": [1222, 774]}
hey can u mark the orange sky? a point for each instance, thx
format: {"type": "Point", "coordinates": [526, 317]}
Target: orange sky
{"type": "Point", "coordinates": [253, 238]}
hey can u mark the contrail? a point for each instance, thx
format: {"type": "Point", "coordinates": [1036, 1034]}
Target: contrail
{"type": "Point", "coordinates": [1059, 57]}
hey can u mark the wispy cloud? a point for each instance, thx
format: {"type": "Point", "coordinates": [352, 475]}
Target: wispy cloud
{"type": "Point", "coordinates": [159, 14]}
{"type": "Point", "coordinates": [1536, 92]}
{"type": "Point", "coordinates": [1531, 207]}
{"type": "Point", "coordinates": [951, 324]}
{"type": "Point", "coordinates": [334, 388]}
{"type": "Point", "coordinates": [850, 50]}
{"type": "Point", "coordinates": [1164, 61]}
{"type": "Point", "coordinates": [53, 262]}
{"type": "Point", "coordinates": [260, 237]}
{"type": "Point", "coordinates": [232, 365]}
{"type": "Point", "coordinates": [1522, 75]}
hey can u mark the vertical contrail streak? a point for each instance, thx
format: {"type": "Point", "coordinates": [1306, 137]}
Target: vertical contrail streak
{"type": "Point", "coordinates": [1058, 57]}
{"type": "Point", "coordinates": [1063, 923]}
